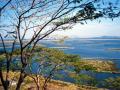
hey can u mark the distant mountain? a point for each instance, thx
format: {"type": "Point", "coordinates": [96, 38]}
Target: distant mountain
{"type": "Point", "coordinates": [107, 37]}
{"type": "Point", "coordinates": [101, 37]}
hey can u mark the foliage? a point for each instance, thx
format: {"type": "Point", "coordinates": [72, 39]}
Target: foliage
{"type": "Point", "coordinates": [112, 83]}
{"type": "Point", "coordinates": [47, 58]}
{"type": "Point", "coordinates": [2, 58]}
{"type": "Point", "coordinates": [55, 55]}
{"type": "Point", "coordinates": [80, 66]}
{"type": "Point", "coordinates": [16, 52]}
{"type": "Point", "coordinates": [84, 79]}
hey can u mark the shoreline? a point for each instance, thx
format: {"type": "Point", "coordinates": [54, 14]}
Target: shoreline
{"type": "Point", "coordinates": [52, 84]}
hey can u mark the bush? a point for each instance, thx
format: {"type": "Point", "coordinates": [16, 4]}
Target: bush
{"type": "Point", "coordinates": [112, 83]}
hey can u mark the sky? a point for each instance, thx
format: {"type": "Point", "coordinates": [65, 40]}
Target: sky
{"type": "Point", "coordinates": [106, 27]}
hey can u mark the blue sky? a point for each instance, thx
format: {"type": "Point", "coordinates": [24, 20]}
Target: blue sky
{"type": "Point", "coordinates": [106, 27]}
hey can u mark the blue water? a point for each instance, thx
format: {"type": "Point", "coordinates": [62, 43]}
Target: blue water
{"type": "Point", "coordinates": [92, 49]}
{"type": "Point", "coordinates": [88, 48]}
{"type": "Point", "coordinates": [97, 49]}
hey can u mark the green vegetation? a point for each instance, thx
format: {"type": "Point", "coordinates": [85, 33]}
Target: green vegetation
{"type": "Point", "coordinates": [35, 20]}
{"type": "Point", "coordinates": [112, 83]}
{"type": "Point", "coordinates": [84, 79]}
{"type": "Point", "coordinates": [55, 56]}
{"type": "Point", "coordinates": [2, 57]}
{"type": "Point", "coordinates": [94, 65]}
{"type": "Point", "coordinates": [48, 58]}
{"type": "Point", "coordinates": [29, 83]}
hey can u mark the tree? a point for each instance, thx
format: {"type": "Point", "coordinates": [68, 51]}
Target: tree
{"type": "Point", "coordinates": [38, 19]}
{"type": "Point", "coordinates": [112, 83]}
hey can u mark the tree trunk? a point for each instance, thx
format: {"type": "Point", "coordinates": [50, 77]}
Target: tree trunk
{"type": "Point", "coordinates": [20, 81]}
{"type": "Point", "coordinates": [38, 87]}
{"type": "Point", "coordinates": [5, 84]}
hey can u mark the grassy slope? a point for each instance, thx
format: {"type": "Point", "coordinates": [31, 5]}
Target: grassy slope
{"type": "Point", "coordinates": [101, 66]}
{"type": "Point", "coordinates": [60, 85]}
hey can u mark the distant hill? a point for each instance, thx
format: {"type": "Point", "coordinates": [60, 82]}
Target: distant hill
{"type": "Point", "coordinates": [102, 37]}
{"type": "Point", "coordinates": [107, 37]}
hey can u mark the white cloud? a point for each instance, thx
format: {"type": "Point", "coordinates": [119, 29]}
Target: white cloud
{"type": "Point", "coordinates": [94, 29]}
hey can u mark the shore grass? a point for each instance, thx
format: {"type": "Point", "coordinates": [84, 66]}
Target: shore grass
{"type": "Point", "coordinates": [99, 65]}
{"type": "Point", "coordinates": [29, 84]}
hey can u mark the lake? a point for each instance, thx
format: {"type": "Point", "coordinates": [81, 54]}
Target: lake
{"type": "Point", "coordinates": [100, 49]}
{"type": "Point", "coordinates": [89, 48]}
